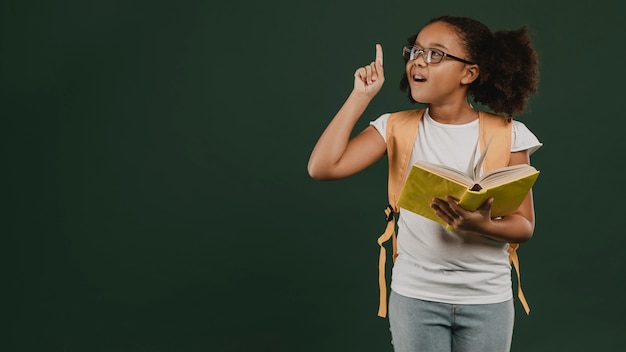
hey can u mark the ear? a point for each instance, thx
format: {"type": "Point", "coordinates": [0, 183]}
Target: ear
{"type": "Point", "coordinates": [470, 74]}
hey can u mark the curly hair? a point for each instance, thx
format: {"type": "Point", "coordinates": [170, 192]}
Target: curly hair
{"type": "Point", "coordinates": [508, 64]}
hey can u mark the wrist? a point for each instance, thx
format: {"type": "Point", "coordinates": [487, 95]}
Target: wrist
{"type": "Point", "coordinates": [360, 97]}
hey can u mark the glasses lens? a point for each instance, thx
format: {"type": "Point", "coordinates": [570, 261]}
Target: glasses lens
{"type": "Point", "coordinates": [410, 52]}
{"type": "Point", "coordinates": [434, 56]}
{"type": "Point", "coordinates": [407, 52]}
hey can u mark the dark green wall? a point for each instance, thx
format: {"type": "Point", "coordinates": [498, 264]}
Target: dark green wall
{"type": "Point", "coordinates": [156, 195]}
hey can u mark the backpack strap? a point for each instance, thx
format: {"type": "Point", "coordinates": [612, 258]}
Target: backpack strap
{"type": "Point", "coordinates": [514, 260]}
{"type": "Point", "coordinates": [401, 133]}
{"type": "Point", "coordinates": [499, 155]}
{"type": "Point", "coordinates": [400, 136]}
{"type": "Point", "coordinates": [498, 129]}
{"type": "Point", "coordinates": [401, 130]}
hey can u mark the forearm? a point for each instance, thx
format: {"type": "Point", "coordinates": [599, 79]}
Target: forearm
{"type": "Point", "coordinates": [513, 228]}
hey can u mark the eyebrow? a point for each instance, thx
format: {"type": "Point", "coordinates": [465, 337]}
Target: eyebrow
{"type": "Point", "coordinates": [434, 45]}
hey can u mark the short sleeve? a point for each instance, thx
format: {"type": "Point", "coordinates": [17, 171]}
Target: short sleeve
{"type": "Point", "coordinates": [380, 124]}
{"type": "Point", "coordinates": [523, 138]}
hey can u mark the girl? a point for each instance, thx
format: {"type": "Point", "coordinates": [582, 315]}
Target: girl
{"type": "Point", "coordinates": [450, 290]}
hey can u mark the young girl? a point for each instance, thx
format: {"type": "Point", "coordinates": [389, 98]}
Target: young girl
{"type": "Point", "coordinates": [450, 290]}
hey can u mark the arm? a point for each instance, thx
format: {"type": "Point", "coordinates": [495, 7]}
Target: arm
{"type": "Point", "coordinates": [514, 228]}
{"type": "Point", "coordinates": [335, 155]}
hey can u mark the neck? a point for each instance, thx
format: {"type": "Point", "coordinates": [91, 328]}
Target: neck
{"type": "Point", "coordinates": [453, 115]}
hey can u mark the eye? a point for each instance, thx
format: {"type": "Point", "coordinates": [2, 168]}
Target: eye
{"type": "Point", "coordinates": [436, 53]}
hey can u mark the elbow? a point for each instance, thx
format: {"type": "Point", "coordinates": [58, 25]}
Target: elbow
{"type": "Point", "coordinates": [314, 171]}
{"type": "Point", "coordinates": [319, 172]}
{"type": "Point", "coordinates": [313, 174]}
{"type": "Point", "coordinates": [526, 234]}
{"type": "Point", "coordinates": [525, 237]}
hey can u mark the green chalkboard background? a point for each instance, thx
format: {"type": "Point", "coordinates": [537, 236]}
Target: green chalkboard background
{"type": "Point", "coordinates": [155, 188]}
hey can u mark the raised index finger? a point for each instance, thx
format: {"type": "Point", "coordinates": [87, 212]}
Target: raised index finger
{"type": "Point", "coordinates": [379, 54]}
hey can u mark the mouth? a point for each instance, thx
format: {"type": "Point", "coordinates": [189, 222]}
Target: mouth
{"type": "Point", "coordinates": [418, 78]}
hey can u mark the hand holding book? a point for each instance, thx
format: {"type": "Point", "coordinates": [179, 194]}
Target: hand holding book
{"type": "Point", "coordinates": [455, 216]}
{"type": "Point", "coordinates": [507, 186]}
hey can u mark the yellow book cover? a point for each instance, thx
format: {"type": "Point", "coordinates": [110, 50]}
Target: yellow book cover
{"type": "Point", "coordinates": [425, 181]}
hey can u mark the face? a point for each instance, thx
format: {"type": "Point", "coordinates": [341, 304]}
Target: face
{"type": "Point", "coordinates": [444, 82]}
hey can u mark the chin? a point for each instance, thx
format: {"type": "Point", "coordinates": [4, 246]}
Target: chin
{"type": "Point", "coordinates": [419, 99]}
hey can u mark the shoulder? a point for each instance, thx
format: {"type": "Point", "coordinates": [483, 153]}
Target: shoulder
{"type": "Point", "coordinates": [392, 121]}
{"type": "Point", "coordinates": [405, 118]}
{"type": "Point", "coordinates": [380, 124]}
{"type": "Point", "coordinates": [524, 138]}
{"type": "Point", "coordinates": [519, 129]}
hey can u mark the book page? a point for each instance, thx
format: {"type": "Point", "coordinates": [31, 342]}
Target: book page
{"type": "Point", "coordinates": [476, 171]}
{"type": "Point", "coordinates": [506, 174]}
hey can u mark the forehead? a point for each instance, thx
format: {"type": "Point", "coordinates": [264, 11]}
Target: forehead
{"type": "Point", "coordinates": [438, 35]}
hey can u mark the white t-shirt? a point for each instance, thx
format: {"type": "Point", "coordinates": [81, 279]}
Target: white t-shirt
{"type": "Point", "coordinates": [435, 264]}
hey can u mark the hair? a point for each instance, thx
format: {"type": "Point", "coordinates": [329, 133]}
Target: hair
{"type": "Point", "coordinates": [508, 64]}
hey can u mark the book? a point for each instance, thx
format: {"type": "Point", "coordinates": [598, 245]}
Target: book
{"type": "Point", "coordinates": [507, 185]}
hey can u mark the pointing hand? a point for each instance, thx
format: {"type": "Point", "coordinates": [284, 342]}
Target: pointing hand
{"type": "Point", "coordinates": [369, 79]}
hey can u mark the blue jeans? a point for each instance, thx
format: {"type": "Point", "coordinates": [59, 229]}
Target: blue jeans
{"type": "Point", "coordinates": [423, 326]}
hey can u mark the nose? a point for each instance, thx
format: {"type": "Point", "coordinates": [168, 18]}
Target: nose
{"type": "Point", "coordinates": [420, 59]}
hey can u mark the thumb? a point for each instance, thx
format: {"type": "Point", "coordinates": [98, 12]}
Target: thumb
{"type": "Point", "coordinates": [486, 205]}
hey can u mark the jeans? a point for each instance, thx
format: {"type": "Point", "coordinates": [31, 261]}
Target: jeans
{"type": "Point", "coordinates": [423, 326]}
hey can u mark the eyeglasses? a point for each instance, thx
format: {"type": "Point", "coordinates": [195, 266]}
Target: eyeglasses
{"type": "Point", "coordinates": [430, 56]}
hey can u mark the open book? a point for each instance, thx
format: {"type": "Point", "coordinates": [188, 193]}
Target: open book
{"type": "Point", "coordinates": [508, 186]}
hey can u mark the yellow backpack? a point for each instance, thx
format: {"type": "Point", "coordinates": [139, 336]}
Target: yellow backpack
{"type": "Point", "coordinates": [401, 133]}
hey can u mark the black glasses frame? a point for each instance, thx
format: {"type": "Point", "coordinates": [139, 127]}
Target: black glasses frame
{"type": "Point", "coordinates": [407, 49]}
